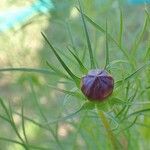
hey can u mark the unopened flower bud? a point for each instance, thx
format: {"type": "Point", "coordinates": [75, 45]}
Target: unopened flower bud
{"type": "Point", "coordinates": [97, 85]}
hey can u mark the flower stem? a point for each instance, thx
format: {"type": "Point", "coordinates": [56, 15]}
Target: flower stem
{"type": "Point", "coordinates": [107, 127]}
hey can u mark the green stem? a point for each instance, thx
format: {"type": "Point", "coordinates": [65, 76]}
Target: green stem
{"type": "Point", "coordinates": [24, 69]}
{"type": "Point", "coordinates": [107, 127]}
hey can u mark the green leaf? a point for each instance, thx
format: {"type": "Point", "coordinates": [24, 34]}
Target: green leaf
{"type": "Point", "coordinates": [61, 53]}
{"type": "Point", "coordinates": [83, 55]}
{"type": "Point", "coordinates": [17, 142]}
{"type": "Point", "coordinates": [137, 113]}
{"type": "Point", "coordinates": [57, 70]}
{"type": "Point", "coordinates": [130, 100]}
{"type": "Point", "coordinates": [4, 107]}
{"type": "Point", "coordinates": [71, 37]}
{"type": "Point", "coordinates": [121, 29]}
{"type": "Point", "coordinates": [107, 49]}
{"type": "Point", "coordinates": [32, 121]}
{"type": "Point", "coordinates": [117, 61]}
{"type": "Point", "coordinates": [75, 94]}
{"type": "Point", "coordinates": [87, 38]}
{"type": "Point", "coordinates": [147, 13]}
{"type": "Point", "coordinates": [118, 83]}
{"type": "Point", "coordinates": [95, 25]}
{"type": "Point", "coordinates": [12, 122]}
{"type": "Point", "coordinates": [147, 55]}
{"type": "Point", "coordinates": [83, 69]}
{"type": "Point", "coordinates": [89, 105]}
{"type": "Point", "coordinates": [23, 69]}
{"type": "Point", "coordinates": [139, 38]}
{"type": "Point", "coordinates": [124, 51]}
{"type": "Point", "coordinates": [66, 117]}
{"type": "Point", "coordinates": [4, 118]}
{"type": "Point", "coordinates": [75, 78]}
{"type": "Point", "coordinates": [12, 141]}
{"type": "Point", "coordinates": [129, 126]}
{"type": "Point", "coordinates": [117, 101]}
{"type": "Point", "coordinates": [43, 116]}
{"type": "Point", "coordinates": [23, 123]}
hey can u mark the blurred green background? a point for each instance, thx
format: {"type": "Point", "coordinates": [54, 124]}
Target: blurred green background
{"type": "Point", "coordinates": [23, 46]}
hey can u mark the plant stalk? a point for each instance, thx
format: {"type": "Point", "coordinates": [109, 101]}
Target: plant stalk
{"type": "Point", "coordinates": [107, 127]}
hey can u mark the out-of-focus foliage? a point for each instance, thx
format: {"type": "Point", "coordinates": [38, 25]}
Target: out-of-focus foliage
{"type": "Point", "coordinates": [25, 46]}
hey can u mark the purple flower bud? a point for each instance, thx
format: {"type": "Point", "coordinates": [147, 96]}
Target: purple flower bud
{"type": "Point", "coordinates": [97, 85]}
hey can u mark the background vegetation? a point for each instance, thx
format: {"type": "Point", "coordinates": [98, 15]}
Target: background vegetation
{"type": "Point", "coordinates": [32, 102]}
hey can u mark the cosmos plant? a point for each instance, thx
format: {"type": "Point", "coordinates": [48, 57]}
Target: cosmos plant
{"type": "Point", "coordinates": [97, 86]}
